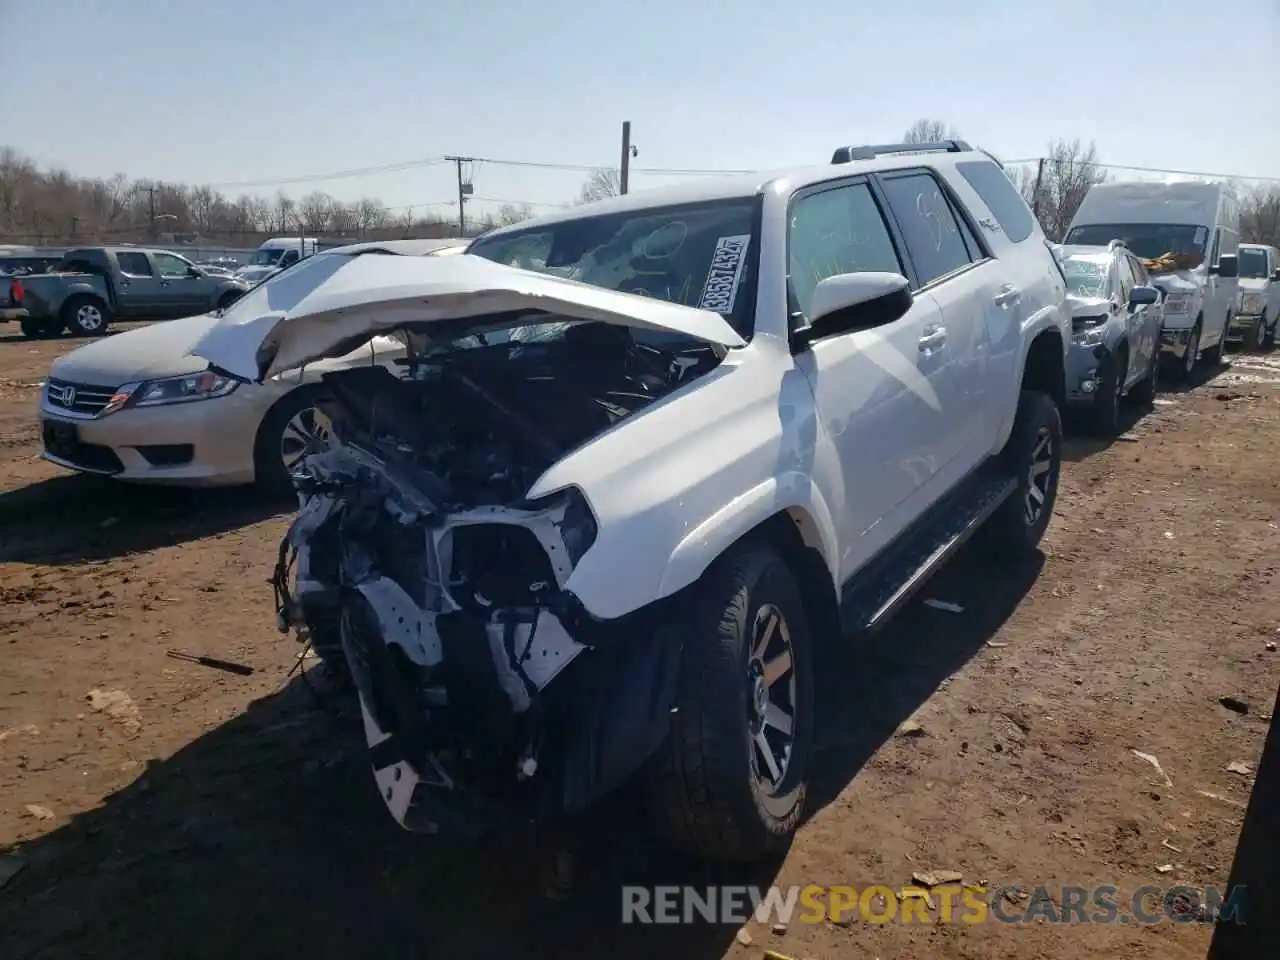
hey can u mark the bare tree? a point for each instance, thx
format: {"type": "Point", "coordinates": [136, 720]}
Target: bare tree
{"type": "Point", "coordinates": [370, 215]}
{"type": "Point", "coordinates": [603, 182]}
{"type": "Point", "coordinates": [510, 213]}
{"type": "Point", "coordinates": [1069, 171]}
{"type": "Point", "coordinates": [930, 131]}
{"type": "Point", "coordinates": [314, 210]}
{"type": "Point", "coordinates": [1260, 215]}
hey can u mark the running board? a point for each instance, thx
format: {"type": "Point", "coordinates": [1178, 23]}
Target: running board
{"type": "Point", "coordinates": [881, 589]}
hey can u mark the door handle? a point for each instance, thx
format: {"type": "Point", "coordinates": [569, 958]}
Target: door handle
{"type": "Point", "coordinates": [933, 338]}
{"type": "Point", "coordinates": [1008, 294]}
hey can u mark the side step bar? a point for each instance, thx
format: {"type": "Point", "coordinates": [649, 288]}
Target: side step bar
{"type": "Point", "coordinates": [882, 588]}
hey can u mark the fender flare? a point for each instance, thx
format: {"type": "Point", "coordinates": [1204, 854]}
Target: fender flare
{"type": "Point", "coordinates": [791, 492]}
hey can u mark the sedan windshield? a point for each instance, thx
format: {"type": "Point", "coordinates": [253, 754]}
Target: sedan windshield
{"type": "Point", "coordinates": [700, 255]}
{"type": "Point", "coordinates": [1150, 241]}
{"type": "Point", "coordinates": [1253, 263]}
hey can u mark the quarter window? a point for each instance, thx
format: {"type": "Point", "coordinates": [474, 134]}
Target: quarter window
{"type": "Point", "coordinates": [928, 224]}
{"type": "Point", "coordinates": [1001, 197]}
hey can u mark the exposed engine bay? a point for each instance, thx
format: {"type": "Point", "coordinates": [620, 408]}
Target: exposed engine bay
{"type": "Point", "coordinates": [417, 565]}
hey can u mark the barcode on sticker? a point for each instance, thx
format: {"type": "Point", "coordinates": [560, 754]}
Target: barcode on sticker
{"type": "Point", "coordinates": [721, 288]}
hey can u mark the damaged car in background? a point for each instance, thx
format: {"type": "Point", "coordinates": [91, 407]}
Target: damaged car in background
{"type": "Point", "coordinates": [640, 459]}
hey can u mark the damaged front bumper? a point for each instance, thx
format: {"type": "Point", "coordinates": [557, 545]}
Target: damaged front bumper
{"type": "Point", "coordinates": [474, 707]}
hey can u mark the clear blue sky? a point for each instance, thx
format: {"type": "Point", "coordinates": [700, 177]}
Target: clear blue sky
{"type": "Point", "coordinates": [225, 91]}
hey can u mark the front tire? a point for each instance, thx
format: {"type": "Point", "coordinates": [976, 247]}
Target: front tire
{"type": "Point", "coordinates": [1187, 368]}
{"type": "Point", "coordinates": [1105, 415]}
{"type": "Point", "coordinates": [288, 433]}
{"type": "Point", "coordinates": [1033, 454]}
{"type": "Point", "coordinates": [85, 317]}
{"type": "Point", "coordinates": [1258, 335]}
{"type": "Point", "coordinates": [1216, 355]}
{"type": "Point", "coordinates": [1144, 391]}
{"type": "Point", "coordinates": [730, 781]}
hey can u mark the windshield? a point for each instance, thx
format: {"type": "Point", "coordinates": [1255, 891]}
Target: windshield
{"type": "Point", "coordinates": [1150, 241]}
{"type": "Point", "coordinates": [1085, 278]}
{"type": "Point", "coordinates": [1253, 263]}
{"type": "Point", "coordinates": [266, 258]}
{"type": "Point", "coordinates": [699, 255]}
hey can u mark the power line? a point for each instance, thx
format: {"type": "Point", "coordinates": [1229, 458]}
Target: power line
{"type": "Point", "coordinates": [335, 175]}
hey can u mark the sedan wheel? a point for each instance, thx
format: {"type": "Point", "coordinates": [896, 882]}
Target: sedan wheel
{"type": "Point", "coordinates": [305, 433]}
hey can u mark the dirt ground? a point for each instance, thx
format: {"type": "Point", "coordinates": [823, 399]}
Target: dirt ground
{"type": "Point", "coordinates": [159, 808]}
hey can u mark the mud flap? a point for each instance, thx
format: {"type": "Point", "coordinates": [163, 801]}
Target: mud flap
{"type": "Point", "coordinates": [622, 714]}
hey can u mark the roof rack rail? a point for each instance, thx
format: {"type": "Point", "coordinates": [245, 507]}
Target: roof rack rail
{"type": "Point", "coordinates": [849, 154]}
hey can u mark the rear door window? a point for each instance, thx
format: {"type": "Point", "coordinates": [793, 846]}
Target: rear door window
{"type": "Point", "coordinates": [134, 264]}
{"type": "Point", "coordinates": [929, 228]}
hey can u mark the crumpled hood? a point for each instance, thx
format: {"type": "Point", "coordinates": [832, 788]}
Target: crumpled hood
{"type": "Point", "coordinates": [1179, 281]}
{"type": "Point", "coordinates": [1088, 306]}
{"type": "Point", "coordinates": [159, 350]}
{"type": "Point", "coordinates": [328, 303]}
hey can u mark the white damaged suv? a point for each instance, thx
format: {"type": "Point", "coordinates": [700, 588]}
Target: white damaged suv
{"type": "Point", "coordinates": [647, 456]}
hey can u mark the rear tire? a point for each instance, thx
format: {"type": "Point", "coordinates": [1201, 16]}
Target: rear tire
{"type": "Point", "coordinates": [745, 668]}
{"type": "Point", "coordinates": [1033, 454]}
{"type": "Point", "coordinates": [40, 329]}
{"type": "Point", "coordinates": [85, 316]}
{"type": "Point", "coordinates": [283, 435]}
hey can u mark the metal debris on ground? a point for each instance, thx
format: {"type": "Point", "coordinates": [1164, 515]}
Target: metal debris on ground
{"type": "Point", "coordinates": [1165, 868]}
{"type": "Point", "coordinates": [936, 878]}
{"type": "Point", "coordinates": [1154, 762]}
{"type": "Point", "coordinates": [1220, 798]}
{"type": "Point", "coordinates": [1240, 767]}
{"type": "Point", "coordinates": [775, 955]}
{"type": "Point", "coordinates": [1167, 844]}
{"type": "Point", "coordinates": [240, 669]}
{"type": "Point", "coordinates": [744, 937]}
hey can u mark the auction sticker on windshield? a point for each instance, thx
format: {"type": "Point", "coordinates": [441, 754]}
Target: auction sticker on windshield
{"type": "Point", "coordinates": [721, 288]}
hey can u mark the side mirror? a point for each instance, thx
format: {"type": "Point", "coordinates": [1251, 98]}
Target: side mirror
{"type": "Point", "coordinates": [1143, 297]}
{"type": "Point", "coordinates": [1276, 275]}
{"type": "Point", "coordinates": [855, 301]}
{"type": "Point", "coordinates": [1228, 268]}
{"type": "Point", "coordinates": [194, 272]}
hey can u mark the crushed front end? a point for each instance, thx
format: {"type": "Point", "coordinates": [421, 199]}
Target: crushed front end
{"type": "Point", "coordinates": [416, 566]}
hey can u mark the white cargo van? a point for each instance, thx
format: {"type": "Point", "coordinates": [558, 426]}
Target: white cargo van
{"type": "Point", "coordinates": [1188, 232]}
{"type": "Point", "coordinates": [1258, 311]}
{"type": "Point", "coordinates": [276, 254]}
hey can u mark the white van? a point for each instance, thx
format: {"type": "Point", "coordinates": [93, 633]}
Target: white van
{"type": "Point", "coordinates": [1258, 312]}
{"type": "Point", "coordinates": [1188, 233]}
{"type": "Point", "coordinates": [276, 254]}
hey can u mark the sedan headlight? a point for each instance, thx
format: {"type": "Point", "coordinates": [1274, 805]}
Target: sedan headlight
{"type": "Point", "coordinates": [155, 393]}
{"type": "Point", "coordinates": [1251, 303]}
{"type": "Point", "coordinates": [1090, 331]}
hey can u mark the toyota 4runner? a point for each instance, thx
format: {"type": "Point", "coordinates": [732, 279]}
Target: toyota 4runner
{"type": "Point", "coordinates": [644, 458]}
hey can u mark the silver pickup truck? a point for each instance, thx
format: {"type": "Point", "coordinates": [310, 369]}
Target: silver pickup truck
{"type": "Point", "coordinates": [92, 286]}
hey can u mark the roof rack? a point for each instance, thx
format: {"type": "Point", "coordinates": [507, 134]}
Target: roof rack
{"type": "Point", "coordinates": [849, 154]}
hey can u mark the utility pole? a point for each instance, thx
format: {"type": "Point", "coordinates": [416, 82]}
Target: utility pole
{"type": "Point", "coordinates": [628, 151]}
{"type": "Point", "coordinates": [1035, 191]}
{"type": "Point", "coordinates": [465, 189]}
{"type": "Point", "coordinates": [151, 191]}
